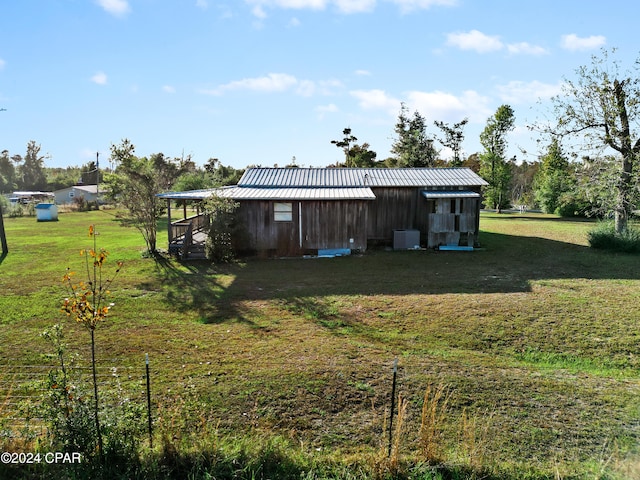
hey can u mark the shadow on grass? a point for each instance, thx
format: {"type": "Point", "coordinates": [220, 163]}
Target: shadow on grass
{"type": "Point", "coordinates": [194, 287]}
{"type": "Point", "coordinates": [505, 264]}
{"type": "Point", "coordinates": [3, 255]}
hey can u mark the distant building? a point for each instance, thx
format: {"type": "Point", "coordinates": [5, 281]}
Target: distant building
{"type": "Point", "coordinates": [67, 195]}
{"type": "Point", "coordinates": [26, 197]}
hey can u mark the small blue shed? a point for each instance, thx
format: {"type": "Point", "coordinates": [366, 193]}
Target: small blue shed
{"type": "Point", "coordinates": [47, 212]}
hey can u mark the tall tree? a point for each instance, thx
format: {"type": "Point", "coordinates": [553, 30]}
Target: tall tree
{"type": "Point", "coordinates": [413, 147]}
{"type": "Point", "coordinates": [494, 167]}
{"type": "Point", "coordinates": [31, 172]}
{"type": "Point", "coordinates": [362, 156]}
{"type": "Point", "coordinates": [553, 178]}
{"type": "Point", "coordinates": [7, 173]}
{"type": "Point", "coordinates": [345, 145]}
{"type": "Point", "coordinates": [137, 182]}
{"type": "Point", "coordinates": [453, 138]}
{"type": "Point", "coordinates": [602, 107]}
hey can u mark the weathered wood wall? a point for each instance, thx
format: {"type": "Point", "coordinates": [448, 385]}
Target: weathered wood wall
{"type": "Point", "coordinates": [453, 221]}
{"type": "Point", "coordinates": [396, 209]}
{"type": "Point", "coordinates": [325, 224]}
{"type": "Point", "coordinates": [328, 224]}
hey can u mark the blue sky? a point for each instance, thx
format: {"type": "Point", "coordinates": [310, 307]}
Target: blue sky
{"type": "Point", "coordinates": [257, 82]}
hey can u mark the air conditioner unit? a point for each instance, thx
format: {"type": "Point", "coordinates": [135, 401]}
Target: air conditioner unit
{"type": "Point", "coordinates": [406, 239]}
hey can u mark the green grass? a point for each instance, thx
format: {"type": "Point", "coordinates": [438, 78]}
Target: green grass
{"type": "Point", "coordinates": [535, 334]}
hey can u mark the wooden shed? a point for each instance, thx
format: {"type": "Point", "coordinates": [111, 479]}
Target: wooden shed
{"type": "Point", "coordinates": [295, 211]}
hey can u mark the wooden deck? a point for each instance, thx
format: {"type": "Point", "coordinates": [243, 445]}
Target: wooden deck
{"type": "Point", "coordinates": [188, 237]}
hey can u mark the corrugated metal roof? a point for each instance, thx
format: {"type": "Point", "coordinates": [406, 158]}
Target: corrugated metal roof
{"type": "Point", "coordinates": [332, 183]}
{"type": "Point", "coordinates": [359, 177]}
{"type": "Point", "coordinates": [338, 193]}
{"type": "Point", "coordinates": [429, 194]}
{"type": "Point", "coordinates": [251, 193]}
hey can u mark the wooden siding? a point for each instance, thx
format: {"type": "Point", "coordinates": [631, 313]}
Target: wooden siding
{"type": "Point", "coordinates": [395, 209]}
{"type": "Point", "coordinates": [453, 221]}
{"type": "Point", "coordinates": [326, 224]}
{"type": "Point", "coordinates": [444, 221]}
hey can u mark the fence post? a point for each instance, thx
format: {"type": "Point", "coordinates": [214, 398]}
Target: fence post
{"type": "Point", "coordinates": [146, 360]}
{"type": "Point", "coordinates": [393, 403]}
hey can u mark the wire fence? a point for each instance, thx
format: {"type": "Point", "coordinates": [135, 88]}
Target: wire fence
{"type": "Point", "coordinates": [231, 383]}
{"type": "Point", "coordinates": [24, 388]}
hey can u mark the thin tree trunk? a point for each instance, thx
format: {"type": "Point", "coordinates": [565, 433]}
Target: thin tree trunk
{"type": "Point", "coordinates": [95, 393]}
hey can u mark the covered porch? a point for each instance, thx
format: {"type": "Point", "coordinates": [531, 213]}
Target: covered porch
{"type": "Point", "coordinates": [188, 234]}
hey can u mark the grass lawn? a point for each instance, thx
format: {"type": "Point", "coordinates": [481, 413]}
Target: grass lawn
{"type": "Point", "coordinates": [534, 337]}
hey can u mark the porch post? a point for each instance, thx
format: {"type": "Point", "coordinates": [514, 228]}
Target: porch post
{"type": "Point", "coordinates": [169, 230]}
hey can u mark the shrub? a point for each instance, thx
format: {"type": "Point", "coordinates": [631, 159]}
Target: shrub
{"type": "Point", "coordinates": [219, 244]}
{"type": "Point", "coordinates": [604, 237]}
{"type": "Point", "coordinates": [15, 210]}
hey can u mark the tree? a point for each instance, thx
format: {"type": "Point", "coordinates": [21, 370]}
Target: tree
{"type": "Point", "coordinates": [345, 145]}
{"type": "Point", "coordinates": [222, 175]}
{"type": "Point", "coordinates": [523, 176]}
{"type": "Point", "coordinates": [87, 304]}
{"type": "Point", "coordinates": [453, 138]}
{"type": "Point", "coordinates": [7, 173]}
{"type": "Point", "coordinates": [413, 147]}
{"type": "Point", "coordinates": [362, 156]}
{"type": "Point", "coordinates": [553, 179]}
{"type": "Point", "coordinates": [494, 167]}
{"type": "Point", "coordinates": [602, 107]}
{"type": "Point", "coordinates": [31, 171]}
{"type": "Point", "coordinates": [136, 183]}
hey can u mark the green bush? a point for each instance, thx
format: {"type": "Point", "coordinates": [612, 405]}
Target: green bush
{"type": "Point", "coordinates": [15, 211]}
{"type": "Point", "coordinates": [604, 237]}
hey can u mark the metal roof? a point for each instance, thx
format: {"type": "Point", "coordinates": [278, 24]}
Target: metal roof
{"type": "Point", "coordinates": [360, 177]}
{"type": "Point", "coordinates": [429, 194]}
{"type": "Point", "coordinates": [332, 183]}
{"type": "Point", "coordinates": [251, 193]}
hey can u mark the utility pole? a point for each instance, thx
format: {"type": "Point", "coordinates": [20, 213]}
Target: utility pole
{"type": "Point", "coordinates": [3, 235]}
{"type": "Point", "coordinates": [98, 180]}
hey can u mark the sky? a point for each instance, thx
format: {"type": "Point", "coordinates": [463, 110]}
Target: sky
{"type": "Point", "coordinates": [259, 82]}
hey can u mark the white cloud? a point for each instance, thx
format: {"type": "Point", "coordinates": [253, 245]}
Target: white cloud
{"type": "Point", "coordinates": [407, 6]}
{"type": "Point", "coordinates": [526, 49]}
{"type": "Point", "coordinates": [355, 6]}
{"type": "Point", "coordinates": [100, 78]}
{"type": "Point", "coordinates": [322, 110]}
{"type": "Point", "coordinates": [259, 12]}
{"type": "Point", "coordinates": [330, 108]}
{"type": "Point", "coordinates": [474, 40]}
{"type": "Point", "coordinates": [168, 89]}
{"type": "Point", "coordinates": [447, 107]}
{"type": "Point", "coordinates": [527, 92]}
{"type": "Point", "coordinates": [305, 88]}
{"type": "Point", "coordinates": [362, 73]}
{"type": "Point", "coordinates": [343, 6]}
{"type": "Point", "coordinates": [115, 7]}
{"type": "Point", "coordinates": [294, 22]}
{"type": "Point", "coordinates": [278, 82]}
{"type": "Point", "coordinates": [2, 63]}
{"type": "Point", "coordinates": [273, 82]}
{"type": "Point", "coordinates": [202, 4]}
{"type": "Point", "coordinates": [573, 42]}
{"type": "Point", "coordinates": [376, 100]}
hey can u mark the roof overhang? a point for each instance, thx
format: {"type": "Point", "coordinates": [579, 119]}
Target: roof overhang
{"type": "Point", "coordinates": [433, 194]}
{"type": "Point", "coordinates": [275, 194]}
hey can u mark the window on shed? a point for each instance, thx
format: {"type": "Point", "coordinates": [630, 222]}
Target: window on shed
{"type": "Point", "coordinates": [283, 212]}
